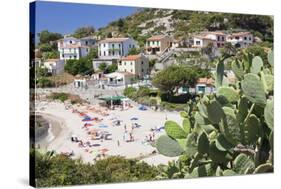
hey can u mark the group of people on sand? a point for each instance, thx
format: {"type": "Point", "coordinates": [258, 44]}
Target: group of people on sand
{"type": "Point", "coordinates": [128, 135]}
{"type": "Point", "coordinates": [150, 137]}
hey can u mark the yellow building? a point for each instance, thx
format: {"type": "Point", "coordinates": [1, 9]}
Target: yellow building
{"type": "Point", "coordinates": [158, 44]}
{"type": "Point", "coordinates": [135, 64]}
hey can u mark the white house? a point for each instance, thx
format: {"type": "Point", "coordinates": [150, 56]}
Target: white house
{"type": "Point", "coordinates": [205, 86]}
{"type": "Point", "coordinates": [119, 78]}
{"type": "Point", "coordinates": [135, 64]}
{"type": "Point", "coordinates": [114, 48]}
{"type": "Point", "coordinates": [240, 39]}
{"type": "Point", "coordinates": [72, 48]}
{"type": "Point", "coordinates": [203, 39]}
{"type": "Point", "coordinates": [54, 66]}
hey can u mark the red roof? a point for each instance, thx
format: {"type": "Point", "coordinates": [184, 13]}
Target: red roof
{"type": "Point", "coordinates": [156, 37]}
{"type": "Point", "coordinates": [207, 81]}
{"type": "Point", "coordinates": [131, 57]}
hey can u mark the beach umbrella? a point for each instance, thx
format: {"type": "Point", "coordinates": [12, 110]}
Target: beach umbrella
{"type": "Point", "coordinates": [134, 118]}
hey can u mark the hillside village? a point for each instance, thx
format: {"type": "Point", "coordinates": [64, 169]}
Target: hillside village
{"type": "Point", "coordinates": [109, 57]}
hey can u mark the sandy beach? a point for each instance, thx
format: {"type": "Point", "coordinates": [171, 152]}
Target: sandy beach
{"type": "Point", "coordinates": [66, 123]}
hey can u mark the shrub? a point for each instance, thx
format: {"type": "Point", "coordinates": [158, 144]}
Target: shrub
{"type": "Point", "coordinates": [59, 170]}
{"type": "Point", "coordinates": [130, 92]}
{"type": "Point", "coordinates": [43, 82]}
{"type": "Point", "coordinates": [59, 96]}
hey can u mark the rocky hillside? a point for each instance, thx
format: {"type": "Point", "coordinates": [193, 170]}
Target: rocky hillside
{"type": "Point", "coordinates": [181, 23]}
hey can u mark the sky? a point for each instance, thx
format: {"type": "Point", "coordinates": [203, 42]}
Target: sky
{"type": "Point", "coordinates": [64, 18]}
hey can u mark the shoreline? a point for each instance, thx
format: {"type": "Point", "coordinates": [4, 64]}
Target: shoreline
{"type": "Point", "coordinates": [56, 128]}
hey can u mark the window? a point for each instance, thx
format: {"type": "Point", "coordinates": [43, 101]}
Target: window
{"type": "Point", "coordinates": [63, 55]}
{"type": "Point", "coordinates": [141, 62]}
{"type": "Point", "coordinates": [125, 70]}
{"type": "Point", "coordinates": [131, 71]}
{"type": "Point", "coordinates": [142, 70]}
{"type": "Point", "coordinates": [124, 63]}
{"type": "Point", "coordinates": [87, 50]}
{"type": "Point", "coordinates": [100, 53]}
{"type": "Point", "coordinates": [245, 38]}
{"type": "Point", "coordinates": [250, 38]}
{"type": "Point", "coordinates": [113, 46]}
{"type": "Point", "coordinates": [130, 46]}
{"type": "Point", "coordinates": [120, 63]}
{"type": "Point", "coordinates": [70, 57]}
{"type": "Point", "coordinates": [104, 45]}
{"type": "Point", "coordinates": [119, 45]}
{"type": "Point", "coordinates": [70, 42]}
{"type": "Point", "coordinates": [113, 53]}
{"type": "Point", "coordinates": [86, 42]}
{"type": "Point", "coordinates": [131, 63]}
{"type": "Point", "coordinates": [103, 53]}
{"type": "Point", "coordinates": [197, 42]}
{"type": "Point", "coordinates": [222, 38]}
{"type": "Point", "coordinates": [237, 38]}
{"type": "Point", "coordinates": [75, 56]}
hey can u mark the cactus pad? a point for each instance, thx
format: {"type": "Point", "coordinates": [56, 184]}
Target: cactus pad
{"type": "Point", "coordinates": [243, 163]}
{"type": "Point", "coordinates": [174, 130]}
{"type": "Point", "coordinates": [269, 114]}
{"type": "Point", "coordinates": [168, 146]}
{"type": "Point", "coordinates": [229, 93]}
{"type": "Point", "coordinates": [253, 89]}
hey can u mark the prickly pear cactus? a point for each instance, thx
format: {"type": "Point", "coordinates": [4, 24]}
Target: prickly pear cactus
{"type": "Point", "coordinates": [229, 132]}
{"type": "Point", "coordinates": [168, 146]}
{"type": "Point", "coordinates": [253, 89]}
{"type": "Point", "coordinates": [174, 130]}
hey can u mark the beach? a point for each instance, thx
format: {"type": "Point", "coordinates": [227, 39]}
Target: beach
{"type": "Point", "coordinates": [66, 123]}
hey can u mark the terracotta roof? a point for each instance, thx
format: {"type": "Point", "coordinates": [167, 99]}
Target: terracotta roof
{"type": "Point", "coordinates": [131, 57]}
{"type": "Point", "coordinates": [207, 81]}
{"type": "Point", "coordinates": [204, 37]}
{"type": "Point", "coordinates": [215, 33]}
{"type": "Point", "coordinates": [52, 60]}
{"type": "Point", "coordinates": [239, 34]}
{"type": "Point", "coordinates": [112, 40]}
{"type": "Point", "coordinates": [156, 37]}
{"type": "Point", "coordinates": [126, 73]}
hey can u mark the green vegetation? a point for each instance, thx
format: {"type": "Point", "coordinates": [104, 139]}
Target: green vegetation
{"type": "Point", "coordinates": [84, 32]}
{"type": "Point", "coordinates": [172, 78]}
{"type": "Point", "coordinates": [134, 51]}
{"type": "Point", "coordinates": [58, 170]}
{"type": "Point", "coordinates": [228, 133]}
{"type": "Point", "coordinates": [74, 99]}
{"type": "Point", "coordinates": [47, 45]}
{"type": "Point", "coordinates": [43, 82]}
{"type": "Point", "coordinates": [81, 66]}
{"type": "Point", "coordinates": [108, 68]}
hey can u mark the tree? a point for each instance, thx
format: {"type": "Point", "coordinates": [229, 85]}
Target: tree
{"type": "Point", "coordinates": [60, 170]}
{"type": "Point", "coordinates": [228, 50]}
{"type": "Point", "coordinates": [102, 66]}
{"type": "Point", "coordinates": [84, 32]}
{"type": "Point", "coordinates": [46, 37]}
{"type": "Point", "coordinates": [111, 68]}
{"type": "Point", "coordinates": [82, 66]}
{"type": "Point", "coordinates": [120, 24]}
{"type": "Point", "coordinates": [134, 51]}
{"type": "Point", "coordinates": [209, 51]}
{"type": "Point", "coordinates": [172, 78]}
